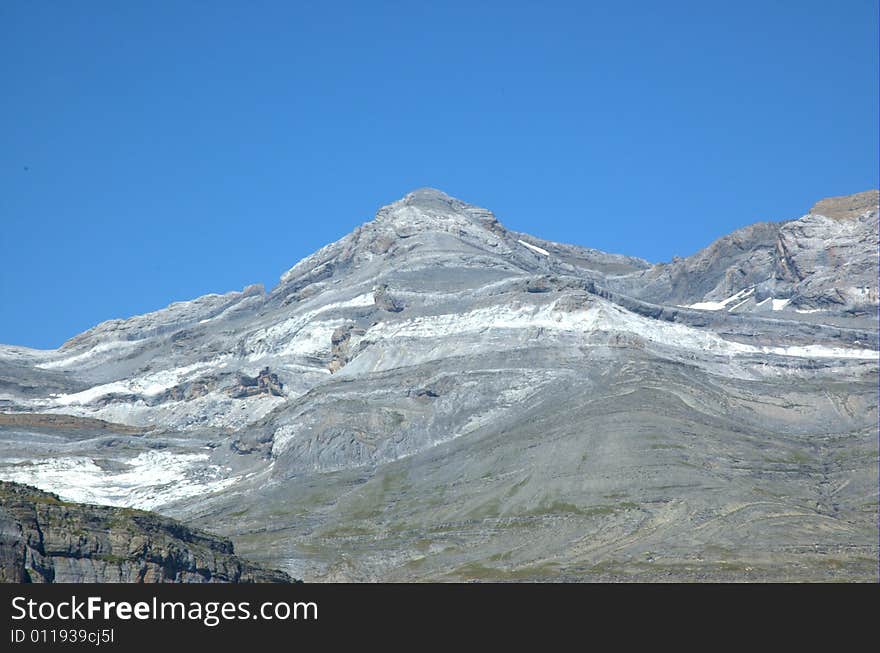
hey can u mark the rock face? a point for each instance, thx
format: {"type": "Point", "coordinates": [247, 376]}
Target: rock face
{"type": "Point", "coordinates": [824, 261]}
{"type": "Point", "coordinates": [829, 262]}
{"type": "Point", "coordinates": [443, 398]}
{"type": "Point", "coordinates": [46, 540]}
{"type": "Point", "coordinates": [340, 341]}
{"type": "Point", "coordinates": [265, 383]}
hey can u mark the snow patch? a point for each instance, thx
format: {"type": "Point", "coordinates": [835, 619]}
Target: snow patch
{"type": "Point", "coordinates": [717, 306]}
{"type": "Point", "coordinates": [534, 248]}
{"type": "Point", "coordinates": [149, 480]}
{"type": "Point", "coordinates": [779, 304]}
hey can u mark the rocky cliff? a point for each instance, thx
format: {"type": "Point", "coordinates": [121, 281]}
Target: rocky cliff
{"type": "Point", "coordinates": [824, 261]}
{"type": "Point", "coordinates": [46, 540]}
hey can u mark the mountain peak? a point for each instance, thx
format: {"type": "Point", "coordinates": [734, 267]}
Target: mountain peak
{"type": "Point", "coordinates": [426, 193]}
{"type": "Point", "coordinates": [421, 211]}
{"type": "Point", "coordinates": [431, 199]}
{"type": "Point", "coordinates": [428, 205]}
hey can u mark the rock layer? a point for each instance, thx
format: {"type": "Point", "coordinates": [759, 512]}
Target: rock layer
{"type": "Point", "coordinates": [46, 540]}
{"type": "Point", "coordinates": [823, 261]}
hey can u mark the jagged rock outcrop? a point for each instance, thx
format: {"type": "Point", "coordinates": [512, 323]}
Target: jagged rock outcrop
{"type": "Point", "coordinates": [830, 262]}
{"type": "Point", "coordinates": [823, 261]}
{"type": "Point", "coordinates": [385, 300]}
{"type": "Point", "coordinates": [265, 383]}
{"type": "Point", "coordinates": [341, 346]}
{"type": "Point", "coordinates": [46, 540]}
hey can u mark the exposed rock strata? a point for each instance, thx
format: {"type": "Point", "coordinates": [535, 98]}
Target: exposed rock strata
{"type": "Point", "coordinates": [46, 540]}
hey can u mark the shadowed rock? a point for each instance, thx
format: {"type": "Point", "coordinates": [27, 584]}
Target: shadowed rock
{"type": "Point", "coordinates": [46, 540]}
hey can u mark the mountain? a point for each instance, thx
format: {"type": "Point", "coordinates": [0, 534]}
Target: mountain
{"type": "Point", "coordinates": [46, 540]}
{"type": "Point", "coordinates": [435, 396]}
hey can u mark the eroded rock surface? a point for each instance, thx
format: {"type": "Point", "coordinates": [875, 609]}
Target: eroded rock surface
{"type": "Point", "coordinates": [46, 540]}
{"type": "Point", "coordinates": [823, 261]}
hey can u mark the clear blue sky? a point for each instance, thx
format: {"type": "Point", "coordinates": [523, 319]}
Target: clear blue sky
{"type": "Point", "coordinates": [154, 151]}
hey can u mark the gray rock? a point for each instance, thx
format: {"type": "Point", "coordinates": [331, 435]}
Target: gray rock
{"type": "Point", "coordinates": [817, 263]}
{"type": "Point", "coordinates": [46, 540]}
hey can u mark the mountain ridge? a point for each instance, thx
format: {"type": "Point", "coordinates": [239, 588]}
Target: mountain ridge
{"type": "Point", "coordinates": [857, 203]}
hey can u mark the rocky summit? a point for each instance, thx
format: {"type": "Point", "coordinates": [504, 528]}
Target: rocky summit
{"type": "Point", "coordinates": [437, 397]}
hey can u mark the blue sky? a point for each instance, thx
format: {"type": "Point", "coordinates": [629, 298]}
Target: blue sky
{"type": "Point", "coordinates": [153, 152]}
